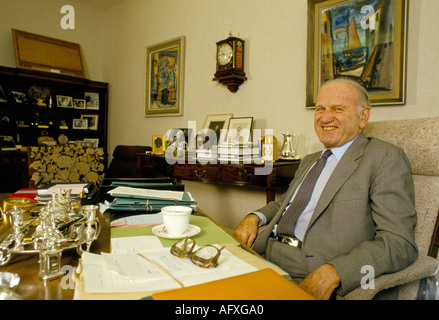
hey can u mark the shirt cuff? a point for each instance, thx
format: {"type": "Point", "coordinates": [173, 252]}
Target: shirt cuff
{"type": "Point", "coordinates": [262, 217]}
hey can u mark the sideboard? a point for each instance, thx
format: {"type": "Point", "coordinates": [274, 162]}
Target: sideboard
{"type": "Point", "coordinates": [243, 175]}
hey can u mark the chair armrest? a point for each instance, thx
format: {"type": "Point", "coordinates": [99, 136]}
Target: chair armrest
{"type": "Point", "coordinates": [423, 267]}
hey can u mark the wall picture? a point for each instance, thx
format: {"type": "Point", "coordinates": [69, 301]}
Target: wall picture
{"type": "Point", "coordinates": [165, 79]}
{"type": "Point", "coordinates": [362, 40]}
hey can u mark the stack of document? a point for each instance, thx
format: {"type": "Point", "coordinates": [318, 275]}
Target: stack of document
{"type": "Point", "coordinates": [88, 190]}
{"type": "Point", "coordinates": [150, 200]}
{"type": "Point", "coordinates": [239, 153]}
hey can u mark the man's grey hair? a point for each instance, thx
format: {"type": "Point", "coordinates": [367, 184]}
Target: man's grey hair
{"type": "Point", "coordinates": [362, 92]}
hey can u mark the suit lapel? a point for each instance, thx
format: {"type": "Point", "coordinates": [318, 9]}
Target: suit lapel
{"type": "Point", "coordinates": [345, 168]}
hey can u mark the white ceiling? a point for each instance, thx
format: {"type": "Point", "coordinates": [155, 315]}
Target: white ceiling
{"type": "Point", "coordinates": [99, 4]}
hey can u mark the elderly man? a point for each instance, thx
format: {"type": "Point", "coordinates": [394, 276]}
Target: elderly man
{"type": "Point", "coordinates": [357, 211]}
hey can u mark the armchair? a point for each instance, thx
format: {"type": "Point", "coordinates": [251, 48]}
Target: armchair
{"type": "Point", "coordinates": [419, 138]}
{"type": "Point", "coordinates": [124, 162]}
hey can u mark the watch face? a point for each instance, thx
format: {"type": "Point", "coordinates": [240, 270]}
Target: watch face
{"type": "Point", "coordinates": [224, 54]}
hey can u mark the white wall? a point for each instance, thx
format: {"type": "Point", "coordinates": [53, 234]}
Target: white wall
{"type": "Point", "coordinates": [114, 41]}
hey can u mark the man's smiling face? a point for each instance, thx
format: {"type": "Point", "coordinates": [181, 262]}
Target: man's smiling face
{"type": "Point", "coordinates": [337, 119]}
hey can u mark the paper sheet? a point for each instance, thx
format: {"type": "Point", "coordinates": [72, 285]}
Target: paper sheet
{"type": "Point", "coordinates": [138, 220]}
{"type": "Point", "coordinates": [131, 245]}
{"type": "Point", "coordinates": [98, 279]}
{"type": "Point", "coordinates": [108, 273]}
{"type": "Point", "coordinates": [147, 193]}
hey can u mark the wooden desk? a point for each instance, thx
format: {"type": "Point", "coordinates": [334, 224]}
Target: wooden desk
{"type": "Point", "coordinates": [31, 287]}
{"type": "Point", "coordinates": [243, 175]}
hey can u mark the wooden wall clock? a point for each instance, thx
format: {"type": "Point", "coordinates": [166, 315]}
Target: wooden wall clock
{"type": "Point", "coordinates": [230, 63]}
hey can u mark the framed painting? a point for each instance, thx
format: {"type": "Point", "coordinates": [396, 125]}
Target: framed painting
{"type": "Point", "coordinates": [165, 78]}
{"type": "Point", "coordinates": [364, 40]}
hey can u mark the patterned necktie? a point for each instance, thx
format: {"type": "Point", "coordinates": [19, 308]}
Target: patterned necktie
{"type": "Point", "coordinates": [288, 220]}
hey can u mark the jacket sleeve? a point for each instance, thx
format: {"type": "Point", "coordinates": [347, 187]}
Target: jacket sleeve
{"type": "Point", "coordinates": [392, 207]}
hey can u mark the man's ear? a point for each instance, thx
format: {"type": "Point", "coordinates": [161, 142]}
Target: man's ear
{"type": "Point", "coordinates": [364, 117]}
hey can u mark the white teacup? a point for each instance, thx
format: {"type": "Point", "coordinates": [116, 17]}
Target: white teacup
{"type": "Point", "coordinates": [176, 219]}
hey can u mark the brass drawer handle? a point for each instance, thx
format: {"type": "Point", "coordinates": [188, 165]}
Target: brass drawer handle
{"type": "Point", "coordinates": [244, 175]}
{"type": "Point", "coordinates": [200, 175]}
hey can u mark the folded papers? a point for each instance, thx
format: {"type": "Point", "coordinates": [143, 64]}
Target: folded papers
{"type": "Point", "coordinates": [150, 200]}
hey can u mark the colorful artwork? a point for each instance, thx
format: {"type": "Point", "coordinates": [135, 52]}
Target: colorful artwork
{"type": "Point", "coordinates": [362, 40]}
{"type": "Point", "coordinates": [164, 85]}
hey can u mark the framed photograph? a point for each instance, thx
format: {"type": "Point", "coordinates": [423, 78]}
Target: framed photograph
{"type": "Point", "coordinates": [81, 124]}
{"type": "Point", "coordinates": [79, 103]}
{"type": "Point", "coordinates": [92, 121]}
{"type": "Point", "coordinates": [94, 143]}
{"type": "Point", "coordinates": [19, 97]}
{"type": "Point", "coordinates": [239, 130]}
{"type": "Point", "coordinates": [219, 123]}
{"type": "Point", "coordinates": [165, 78]}
{"type": "Point", "coordinates": [91, 100]}
{"type": "Point", "coordinates": [64, 102]}
{"type": "Point", "coordinates": [362, 40]}
{"type": "Point", "coordinates": [83, 143]}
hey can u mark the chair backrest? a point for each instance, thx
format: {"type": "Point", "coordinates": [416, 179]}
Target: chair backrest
{"type": "Point", "coordinates": [124, 162]}
{"type": "Point", "coordinates": [419, 138]}
{"type": "Point", "coordinates": [65, 163]}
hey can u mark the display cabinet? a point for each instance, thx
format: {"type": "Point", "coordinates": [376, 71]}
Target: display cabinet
{"type": "Point", "coordinates": [41, 107]}
{"type": "Point", "coordinates": [48, 108]}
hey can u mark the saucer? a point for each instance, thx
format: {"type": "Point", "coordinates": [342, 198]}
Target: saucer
{"type": "Point", "coordinates": [160, 231]}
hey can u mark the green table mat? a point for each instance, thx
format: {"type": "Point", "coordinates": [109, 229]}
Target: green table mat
{"type": "Point", "coordinates": [210, 233]}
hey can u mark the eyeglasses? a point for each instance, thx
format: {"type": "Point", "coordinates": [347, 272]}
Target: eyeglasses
{"type": "Point", "coordinates": [205, 257]}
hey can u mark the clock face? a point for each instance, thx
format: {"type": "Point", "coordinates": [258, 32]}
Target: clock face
{"type": "Point", "coordinates": [224, 54]}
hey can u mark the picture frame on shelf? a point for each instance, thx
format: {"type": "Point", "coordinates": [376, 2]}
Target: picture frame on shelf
{"type": "Point", "coordinates": [366, 42]}
{"type": "Point", "coordinates": [164, 85]}
{"type": "Point", "coordinates": [83, 143]}
{"type": "Point", "coordinates": [94, 143]}
{"type": "Point", "coordinates": [80, 124]}
{"type": "Point", "coordinates": [91, 100]}
{"type": "Point", "coordinates": [239, 130]}
{"type": "Point", "coordinates": [64, 101]}
{"type": "Point", "coordinates": [79, 103]}
{"type": "Point", "coordinates": [159, 144]}
{"type": "Point", "coordinates": [219, 123]}
{"type": "Point", "coordinates": [92, 121]}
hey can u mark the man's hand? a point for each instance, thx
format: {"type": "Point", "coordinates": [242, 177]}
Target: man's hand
{"type": "Point", "coordinates": [247, 230]}
{"type": "Point", "coordinates": [321, 282]}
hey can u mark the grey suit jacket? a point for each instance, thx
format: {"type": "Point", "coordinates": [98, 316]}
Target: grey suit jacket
{"type": "Point", "coordinates": [365, 217]}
